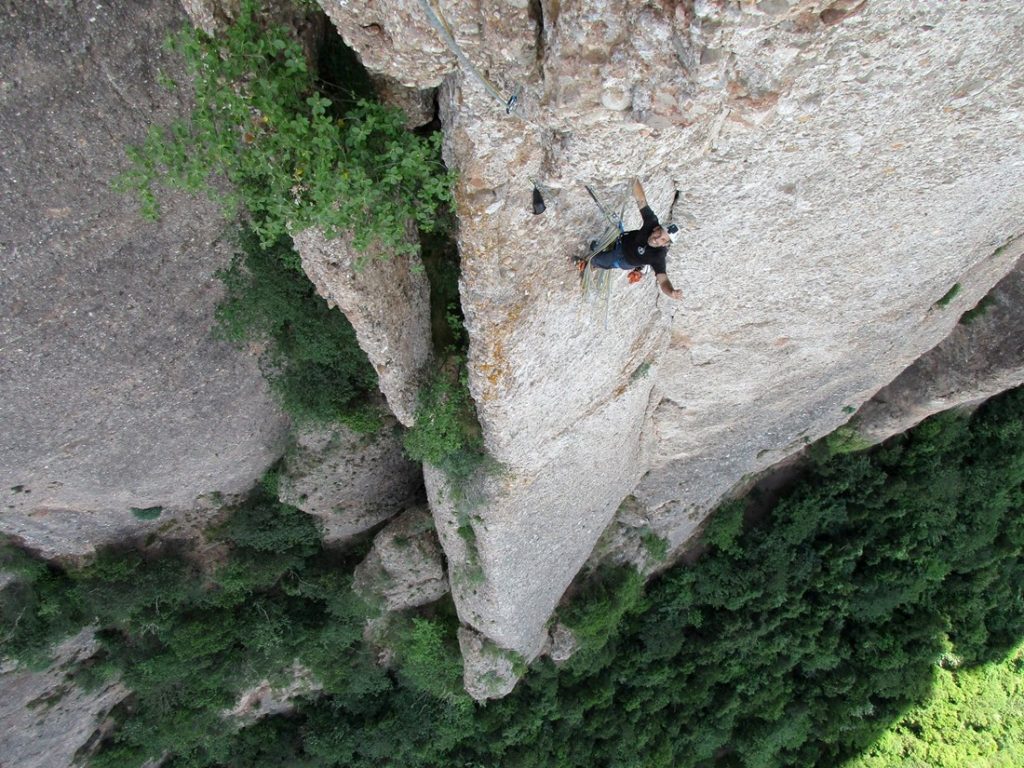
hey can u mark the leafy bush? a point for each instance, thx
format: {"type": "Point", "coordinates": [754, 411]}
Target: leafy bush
{"type": "Point", "coordinates": [447, 434]}
{"type": "Point", "coordinates": [844, 439]}
{"type": "Point", "coordinates": [430, 658]}
{"type": "Point", "coordinates": [290, 157]}
{"type": "Point", "coordinates": [725, 527]}
{"type": "Point", "coordinates": [594, 614]}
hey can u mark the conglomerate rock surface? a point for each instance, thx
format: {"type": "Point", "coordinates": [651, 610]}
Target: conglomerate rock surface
{"type": "Point", "coordinates": [46, 717]}
{"type": "Point", "coordinates": [983, 356]}
{"type": "Point", "coordinates": [351, 481]}
{"type": "Point", "coordinates": [405, 568]}
{"type": "Point", "coordinates": [838, 166]}
{"type": "Point", "coordinates": [386, 297]}
{"type": "Point", "coordinates": [113, 394]}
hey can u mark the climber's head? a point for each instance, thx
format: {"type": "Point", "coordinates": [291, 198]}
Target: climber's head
{"type": "Point", "coordinates": [660, 237]}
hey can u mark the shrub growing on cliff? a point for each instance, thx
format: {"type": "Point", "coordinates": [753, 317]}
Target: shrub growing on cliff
{"type": "Point", "coordinates": [292, 159]}
{"type": "Point", "coordinates": [447, 434]}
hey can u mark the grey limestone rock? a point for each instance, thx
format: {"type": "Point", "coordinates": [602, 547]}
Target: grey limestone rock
{"type": "Point", "coordinates": [837, 167]}
{"type": "Point", "coordinates": [405, 568]}
{"type": "Point", "coordinates": [562, 644]}
{"type": "Point", "coordinates": [489, 672]}
{"type": "Point", "coordinates": [417, 103]}
{"type": "Point", "coordinates": [114, 393]}
{"type": "Point", "coordinates": [45, 717]}
{"type": "Point", "coordinates": [349, 480]}
{"type": "Point", "coordinates": [983, 356]}
{"type": "Point", "coordinates": [386, 297]}
{"type": "Point", "coordinates": [211, 15]}
{"type": "Point", "coordinates": [264, 699]}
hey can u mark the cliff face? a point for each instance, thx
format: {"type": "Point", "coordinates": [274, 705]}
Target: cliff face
{"type": "Point", "coordinates": [837, 167]}
{"type": "Point", "coordinates": [114, 393]}
{"type": "Point", "coordinates": [981, 357]}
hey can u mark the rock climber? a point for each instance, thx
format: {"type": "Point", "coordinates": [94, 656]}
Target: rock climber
{"type": "Point", "coordinates": [647, 245]}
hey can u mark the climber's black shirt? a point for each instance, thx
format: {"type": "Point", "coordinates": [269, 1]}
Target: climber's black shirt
{"type": "Point", "coordinates": [635, 248]}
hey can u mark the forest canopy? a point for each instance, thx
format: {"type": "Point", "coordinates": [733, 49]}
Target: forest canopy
{"type": "Point", "coordinates": [794, 641]}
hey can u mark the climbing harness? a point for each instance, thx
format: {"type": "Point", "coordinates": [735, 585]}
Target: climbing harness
{"type": "Point", "coordinates": [595, 284]}
{"type": "Point", "coordinates": [440, 24]}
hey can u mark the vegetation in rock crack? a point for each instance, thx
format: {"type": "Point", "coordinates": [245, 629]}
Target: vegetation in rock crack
{"type": "Point", "coordinates": [978, 310]}
{"type": "Point", "coordinates": [804, 638]}
{"type": "Point", "coordinates": [310, 353]}
{"type": "Point", "coordinates": [447, 433]}
{"type": "Point", "coordinates": [147, 513]}
{"type": "Point", "coordinates": [949, 295]}
{"type": "Point", "coordinates": [844, 439]}
{"type": "Point", "coordinates": [292, 157]}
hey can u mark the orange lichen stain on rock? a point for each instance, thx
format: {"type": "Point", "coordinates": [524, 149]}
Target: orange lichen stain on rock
{"type": "Point", "coordinates": [782, 342]}
{"type": "Point", "coordinates": [741, 97]}
{"type": "Point", "coordinates": [496, 367]}
{"type": "Point", "coordinates": [494, 370]}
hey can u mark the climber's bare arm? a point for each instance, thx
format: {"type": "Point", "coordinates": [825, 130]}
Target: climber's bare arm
{"type": "Point", "coordinates": [638, 193]}
{"type": "Point", "coordinates": [666, 287]}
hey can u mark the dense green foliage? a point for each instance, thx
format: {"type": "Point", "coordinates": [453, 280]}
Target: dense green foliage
{"type": "Point", "coordinates": [288, 149]}
{"type": "Point", "coordinates": [311, 356]}
{"type": "Point", "coordinates": [447, 434]}
{"type": "Point", "coordinates": [796, 641]}
{"type": "Point", "coordinates": [187, 643]}
{"type": "Point", "coordinates": [292, 158]}
{"type": "Point", "coordinates": [975, 717]}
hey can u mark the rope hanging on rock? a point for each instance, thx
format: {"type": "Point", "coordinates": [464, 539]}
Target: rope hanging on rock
{"type": "Point", "coordinates": [438, 22]}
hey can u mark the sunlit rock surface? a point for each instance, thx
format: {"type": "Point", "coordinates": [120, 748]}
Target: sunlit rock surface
{"type": "Point", "coordinates": [46, 718]}
{"type": "Point", "coordinates": [837, 167]}
{"type": "Point", "coordinates": [386, 297]}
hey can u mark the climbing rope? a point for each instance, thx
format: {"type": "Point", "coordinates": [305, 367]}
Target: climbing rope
{"type": "Point", "coordinates": [440, 24]}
